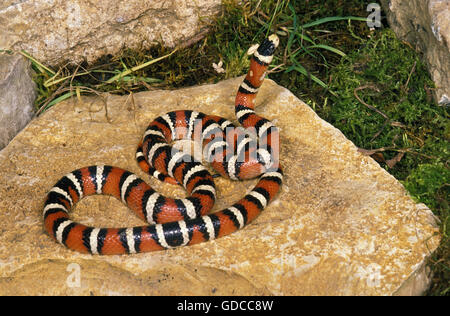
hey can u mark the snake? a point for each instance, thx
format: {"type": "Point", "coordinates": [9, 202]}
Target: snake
{"type": "Point", "coordinates": [237, 153]}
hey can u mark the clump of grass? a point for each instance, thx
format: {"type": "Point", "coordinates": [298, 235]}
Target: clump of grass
{"type": "Point", "coordinates": [308, 50]}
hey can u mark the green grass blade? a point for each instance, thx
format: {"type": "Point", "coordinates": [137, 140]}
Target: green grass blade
{"type": "Point", "coordinates": [59, 99]}
{"type": "Point", "coordinates": [299, 68]}
{"type": "Point", "coordinates": [52, 81]}
{"type": "Point", "coordinates": [137, 79]}
{"type": "Point", "coordinates": [273, 17]}
{"type": "Point", "coordinates": [331, 49]}
{"type": "Point", "coordinates": [333, 19]}
{"type": "Point", "coordinates": [294, 24]}
{"type": "Point", "coordinates": [37, 63]}
{"type": "Point", "coordinates": [305, 38]}
{"type": "Point", "coordinates": [138, 67]}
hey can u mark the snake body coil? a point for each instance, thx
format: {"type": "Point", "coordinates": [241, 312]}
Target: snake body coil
{"type": "Point", "coordinates": [178, 222]}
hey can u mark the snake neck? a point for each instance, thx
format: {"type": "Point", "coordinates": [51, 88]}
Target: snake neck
{"type": "Point", "coordinates": [259, 63]}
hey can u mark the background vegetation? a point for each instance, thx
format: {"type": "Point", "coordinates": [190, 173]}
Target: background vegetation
{"type": "Point", "coordinates": [367, 83]}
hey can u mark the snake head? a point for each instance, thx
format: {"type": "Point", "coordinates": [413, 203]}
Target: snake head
{"type": "Point", "coordinates": [268, 46]}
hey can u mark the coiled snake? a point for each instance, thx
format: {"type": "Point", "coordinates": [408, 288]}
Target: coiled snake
{"type": "Point", "coordinates": [178, 222]}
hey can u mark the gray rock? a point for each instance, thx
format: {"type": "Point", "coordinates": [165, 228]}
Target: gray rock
{"type": "Point", "coordinates": [17, 94]}
{"type": "Point", "coordinates": [74, 30]}
{"type": "Point", "coordinates": [426, 25]}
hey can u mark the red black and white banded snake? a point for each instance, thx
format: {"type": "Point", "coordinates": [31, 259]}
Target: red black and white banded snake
{"type": "Point", "coordinates": [178, 222]}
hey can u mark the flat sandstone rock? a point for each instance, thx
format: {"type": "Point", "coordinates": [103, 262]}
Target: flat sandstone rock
{"type": "Point", "coordinates": [340, 226]}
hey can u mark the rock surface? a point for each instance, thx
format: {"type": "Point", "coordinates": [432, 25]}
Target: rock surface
{"type": "Point", "coordinates": [60, 30]}
{"type": "Point", "coordinates": [426, 25]}
{"type": "Point", "coordinates": [340, 226]}
{"type": "Point", "coordinates": [17, 95]}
